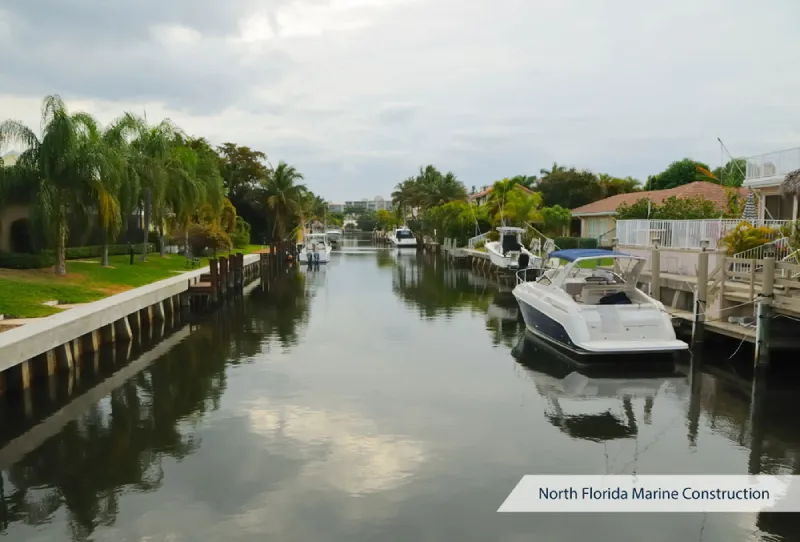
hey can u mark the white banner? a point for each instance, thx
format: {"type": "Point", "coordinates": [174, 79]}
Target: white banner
{"type": "Point", "coordinates": [656, 493]}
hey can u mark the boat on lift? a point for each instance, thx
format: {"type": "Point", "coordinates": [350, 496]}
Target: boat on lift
{"type": "Point", "coordinates": [403, 237]}
{"type": "Point", "coordinates": [509, 253]}
{"type": "Point", "coordinates": [586, 303]}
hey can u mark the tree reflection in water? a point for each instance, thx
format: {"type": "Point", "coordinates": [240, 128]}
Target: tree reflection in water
{"type": "Point", "coordinates": [437, 289]}
{"type": "Point", "coordinates": [118, 444]}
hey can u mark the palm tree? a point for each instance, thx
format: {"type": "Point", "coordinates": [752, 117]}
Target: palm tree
{"type": "Point", "coordinates": [556, 169]}
{"type": "Point", "coordinates": [284, 197]}
{"type": "Point", "coordinates": [150, 157]}
{"type": "Point", "coordinates": [406, 196]}
{"type": "Point", "coordinates": [58, 169]}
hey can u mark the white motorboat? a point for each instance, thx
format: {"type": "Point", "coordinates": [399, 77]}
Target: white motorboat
{"type": "Point", "coordinates": [509, 252]}
{"type": "Point", "coordinates": [335, 236]}
{"type": "Point", "coordinates": [586, 303]}
{"type": "Point", "coordinates": [402, 237]}
{"type": "Point", "coordinates": [316, 248]}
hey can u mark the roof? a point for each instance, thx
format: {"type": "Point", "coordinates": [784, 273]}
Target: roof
{"type": "Point", "coordinates": [710, 191]}
{"type": "Point", "coordinates": [488, 191]}
{"type": "Point", "coordinates": [572, 254]}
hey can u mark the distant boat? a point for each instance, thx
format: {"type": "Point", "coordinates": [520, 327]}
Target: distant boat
{"type": "Point", "coordinates": [509, 253]}
{"type": "Point", "coordinates": [335, 235]}
{"type": "Point", "coordinates": [402, 237]}
{"type": "Point", "coordinates": [315, 248]}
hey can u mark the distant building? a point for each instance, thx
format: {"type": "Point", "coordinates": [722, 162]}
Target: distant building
{"type": "Point", "coordinates": [335, 207]}
{"type": "Point", "coordinates": [376, 204]}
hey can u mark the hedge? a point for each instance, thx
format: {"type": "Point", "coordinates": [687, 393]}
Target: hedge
{"type": "Point", "coordinates": [47, 258]}
{"type": "Point", "coordinates": [19, 260]}
{"type": "Point", "coordinates": [575, 242]}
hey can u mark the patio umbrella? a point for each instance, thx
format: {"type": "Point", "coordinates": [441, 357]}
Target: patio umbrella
{"type": "Point", "coordinates": [750, 213]}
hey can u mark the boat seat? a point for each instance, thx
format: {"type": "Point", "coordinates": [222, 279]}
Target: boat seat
{"type": "Point", "coordinates": [574, 288]}
{"type": "Point", "coordinates": [591, 294]}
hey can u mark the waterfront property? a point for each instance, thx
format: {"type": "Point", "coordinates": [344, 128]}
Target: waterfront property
{"type": "Point", "coordinates": [770, 176]}
{"type": "Point", "coordinates": [597, 219]}
{"type": "Point", "coordinates": [41, 349]}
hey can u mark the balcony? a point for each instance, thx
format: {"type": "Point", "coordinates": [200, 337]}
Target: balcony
{"type": "Point", "coordinates": [771, 168]}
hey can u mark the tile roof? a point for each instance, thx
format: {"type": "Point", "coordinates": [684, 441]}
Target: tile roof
{"type": "Point", "coordinates": [482, 193]}
{"type": "Point", "coordinates": [710, 191]}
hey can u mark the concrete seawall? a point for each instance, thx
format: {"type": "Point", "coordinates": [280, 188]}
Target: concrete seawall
{"type": "Point", "coordinates": [41, 347]}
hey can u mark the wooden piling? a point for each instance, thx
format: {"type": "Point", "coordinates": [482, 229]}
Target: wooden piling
{"type": "Point", "coordinates": [701, 297]}
{"type": "Point", "coordinates": [122, 329]}
{"type": "Point", "coordinates": [213, 266]}
{"type": "Point", "coordinates": [158, 312]}
{"type": "Point", "coordinates": [655, 273]}
{"type": "Point", "coordinates": [223, 275]}
{"type": "Point", "coordinates": [764, 314]}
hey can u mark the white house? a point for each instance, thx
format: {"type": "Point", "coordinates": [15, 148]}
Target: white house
{"type": "Point", "coordinates": [766, 175]}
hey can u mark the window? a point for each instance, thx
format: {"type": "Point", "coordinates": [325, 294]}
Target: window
{"type": "Point", "coordinates": [778, 207]}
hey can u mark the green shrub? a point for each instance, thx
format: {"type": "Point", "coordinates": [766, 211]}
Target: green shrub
{"type": "Point", "coordinates": [575, 242]}
{"type": "Point", "coordinates": [18, 260]}
{"type": "Point", "coordinates": [47, 258]}
{"type": "Point", "coordinates": [241, 237]}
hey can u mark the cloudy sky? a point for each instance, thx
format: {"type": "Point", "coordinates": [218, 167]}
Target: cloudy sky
{"type": "Point", "coordinates": [359, 93]}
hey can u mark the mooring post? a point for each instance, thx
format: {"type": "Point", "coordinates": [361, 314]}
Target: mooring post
{"type": "Point", "coordinates": [239, 270]}
{"type": "Point", "coordinates": [213, 269]}
{"type": "Point", "coordinates": [701, 293]}
{"type": "Point", "coordinates": [764, 311]}
{"type": "Point", "coordinates": [655, 270]}
{"type": "Point", "coordinates": [223, 276]}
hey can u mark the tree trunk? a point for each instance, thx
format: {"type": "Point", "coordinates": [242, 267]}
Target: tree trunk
{"type": "Point", "coordinates": [162, 242]}
{"type": "Point", "coordinates": [61, 242]}
{"type": "Point", "coordinates": [104, 257]}
{"type": "Point", "coordinates": [147, 204]}
{"type": "Point", "coordinates": [186, 243]}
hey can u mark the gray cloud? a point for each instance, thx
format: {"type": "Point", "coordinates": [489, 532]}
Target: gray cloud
{"type": "Point", "coordinates": [359, 93]}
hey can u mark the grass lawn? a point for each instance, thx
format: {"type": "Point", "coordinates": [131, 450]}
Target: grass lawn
{"type": "Point", "coordinates": [23, 292]}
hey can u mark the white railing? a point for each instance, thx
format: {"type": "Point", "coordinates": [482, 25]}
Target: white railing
{"type": "Point", "coordinates": [779, 248]}
{"type": "Point", "coordinates": [772, 164]}
{"type": "Point", "coordinates": [685, 234]}
{"type": "Point", "coordinates": [477, 239]}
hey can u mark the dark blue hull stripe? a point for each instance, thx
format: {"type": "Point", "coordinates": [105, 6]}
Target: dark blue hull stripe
{"type": "Point", "coordinates": [544, 326]}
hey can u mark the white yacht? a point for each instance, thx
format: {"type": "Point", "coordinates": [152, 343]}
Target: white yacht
{"type": "Point", "coordinates": [335, 236]}
{"type": "Point", "coordinates": [316, 248]}
{"type": "Point", "coordinates": [509, 253]}
{"type": "Point", "coordinates": [586, 303]}
{"type": "Point", "coordinates": [402, 237]}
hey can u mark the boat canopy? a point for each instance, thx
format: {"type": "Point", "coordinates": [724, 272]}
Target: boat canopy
{"type": "Point", "coordinates": [510, 229]}
{"type": "Point", "coordinates": [572, 254]}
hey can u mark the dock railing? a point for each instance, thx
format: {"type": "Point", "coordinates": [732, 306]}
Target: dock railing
{"type": "Point", "coordinates": [477, 239]}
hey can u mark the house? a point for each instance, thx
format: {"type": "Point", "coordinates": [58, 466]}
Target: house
{"type": "Point", "coordinates": [597, 218]}
{"type": "Point", "coordinates": [479, 198]}
{"type": "Point", "coordinates": [14, 219]}
{"type": "Point", "coordinates": [773, 177]}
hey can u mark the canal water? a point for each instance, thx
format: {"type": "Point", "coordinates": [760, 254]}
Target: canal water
{"type": "Point", "coordinates": [385, 397]}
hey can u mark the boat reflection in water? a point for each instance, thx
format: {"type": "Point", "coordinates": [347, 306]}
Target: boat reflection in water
{"type": "Point", "coordinates": [570, 395]}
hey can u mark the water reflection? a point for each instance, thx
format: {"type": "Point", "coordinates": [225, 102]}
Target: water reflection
{"type": "Point", "coordinates": [117, 444]}
{"type": "Point", "coordinates": [385, 397]}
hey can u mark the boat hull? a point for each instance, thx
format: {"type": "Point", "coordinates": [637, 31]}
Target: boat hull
{"type": "Point", "coordinates": [403, 243]}
{"type": "Point", "coordinates": [318, 256]}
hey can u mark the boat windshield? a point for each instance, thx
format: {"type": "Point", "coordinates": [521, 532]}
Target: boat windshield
{"type": "Point", "coordinates": [612, 270]}
{"type": "Point", "coordinates": [404, 234]}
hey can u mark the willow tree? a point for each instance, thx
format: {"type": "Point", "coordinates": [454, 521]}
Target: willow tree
{"type": "Point", "coordinates": [150, 157]}
{"type": "Point", "coordinates": [57, 168]}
